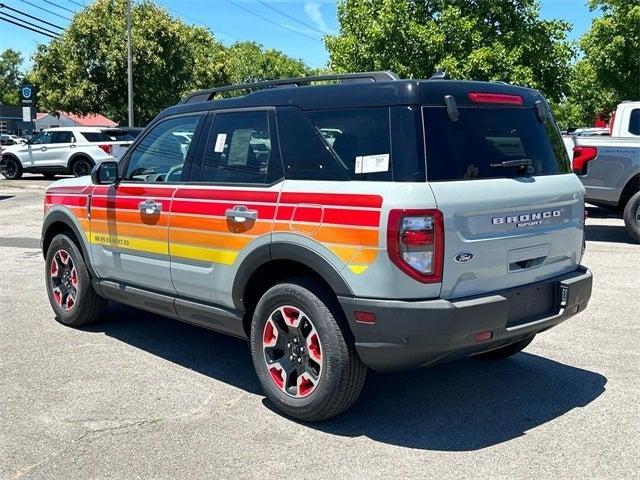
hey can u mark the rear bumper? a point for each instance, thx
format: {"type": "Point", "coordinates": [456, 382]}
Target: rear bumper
{"type": "Point", "coordinates": [408, 334]}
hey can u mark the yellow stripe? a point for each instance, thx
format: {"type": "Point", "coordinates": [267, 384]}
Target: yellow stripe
{"type": "Point", "coordinates": [358, 269]}
{"type": "Point", "coordinates": [226, 257]}
{"type": "Point", "coordinates": [344, 253]}
{"type": "Point", "coordinates": [130, 243]}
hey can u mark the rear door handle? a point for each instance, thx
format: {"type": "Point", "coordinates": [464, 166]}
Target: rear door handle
{"type": "Point", "coordinates": [240, 214]}
{"type": "Point", "coordinates": [150, 207]}
{"type": "Point", "coordinates": [44, 149]}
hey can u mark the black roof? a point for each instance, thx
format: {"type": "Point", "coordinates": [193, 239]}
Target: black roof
{"type": "Point", "coordinates": [358, 94]}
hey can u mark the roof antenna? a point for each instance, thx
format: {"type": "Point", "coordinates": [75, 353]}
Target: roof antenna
{"type": "Point", "coordinates": [440, 75]}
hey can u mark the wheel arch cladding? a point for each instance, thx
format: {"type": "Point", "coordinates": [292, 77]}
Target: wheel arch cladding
{"type": "Point", "coordinates": [631, 187]}
{"type": "Point", "coordinates": [271, 264]}
{"type": "Point", "coordinates": [58, 222]}
{"type": "Point", "coordinates": [79, 156]}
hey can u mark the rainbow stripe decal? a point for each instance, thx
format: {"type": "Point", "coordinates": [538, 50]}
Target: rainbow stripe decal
{"type": "Point", "coordinates": [347, 224]}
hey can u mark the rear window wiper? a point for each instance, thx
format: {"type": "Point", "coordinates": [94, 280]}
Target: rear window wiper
{"type": "Point", "coordinates": [522, 162]}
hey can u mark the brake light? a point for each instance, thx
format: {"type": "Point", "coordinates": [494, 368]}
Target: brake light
{"type": "Point", "coordinates": [500, 98]}
{"type": "Point", "coordinates": [415, 243]}
{"type": "Point", "coordinates": [106, 148]}
{"type": "Point", "coordinates": [581, 156]}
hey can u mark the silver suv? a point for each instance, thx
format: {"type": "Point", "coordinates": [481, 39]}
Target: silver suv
{"type": "Point", "coordinates": [370, 222]}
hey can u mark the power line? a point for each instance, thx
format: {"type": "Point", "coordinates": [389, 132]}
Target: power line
{"type": "Point", "coordinates": [26, 22]}
{"type": "Point", "coordinates": [272, 22]}
{"type": "Point", "coordinates": [44, 9]}
{"type": "Point", "coordinates": [291, 17]}
{"type": "Point", "coordinates": [59, 6]}
{"type": "Point", "coordinates": [2, 17]}
{"type": "Point", "coordinates": [76, 3]}
{"type": "Point", "coordinates": [19, 12]}
{"type": "Point", "coordinates": [200, 23]}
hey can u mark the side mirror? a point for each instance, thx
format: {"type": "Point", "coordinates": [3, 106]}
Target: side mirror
{"type": "Point", "coordinates": [105, 173]}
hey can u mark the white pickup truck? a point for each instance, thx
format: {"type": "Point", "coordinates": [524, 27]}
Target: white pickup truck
{"type": "Point", "coordinates": [609, 167]}
{"type": "Point", "coordinates": [61, 150]}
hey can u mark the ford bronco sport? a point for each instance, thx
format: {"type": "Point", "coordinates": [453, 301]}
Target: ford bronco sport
{"type": "Point", "coordinates": [366, 222]}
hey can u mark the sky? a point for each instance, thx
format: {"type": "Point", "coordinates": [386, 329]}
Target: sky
{"type": "Point", "coordinates": [292, 26]}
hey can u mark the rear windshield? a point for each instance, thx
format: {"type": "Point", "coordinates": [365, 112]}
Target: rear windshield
{"type": "Point", "coordinates": [475, 146]}
{"type": "Point", "coordinates": [96, 137]}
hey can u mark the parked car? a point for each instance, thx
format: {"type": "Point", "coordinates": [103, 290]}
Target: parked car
{"type": "Point", "coordinates": [609, 167]}
{"type": "Point", "coordinates": [60, 150]}
{"type": "Point", "coordinates": [124, 136]}
{"type": "Point", "coordinates": [6, 139]}
{"type": "Point", "coordinates": [368, 223]}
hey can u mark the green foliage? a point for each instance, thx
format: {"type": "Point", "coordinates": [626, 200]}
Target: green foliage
{"type": "Point", "coordinates": [487, 40]}
{"type": "Point", "coordinates": [86, 69]}
{"type": "Point", "coordinates": [612, 46]}
{"type": "Point", "coordinates": [609, 72]}
{"type": "Point", "coordinates": [10, 77]}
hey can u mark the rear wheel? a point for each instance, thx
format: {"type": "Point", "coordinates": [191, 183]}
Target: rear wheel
{"type": "Point", "coordinates": [509, 350]}
{"type": "Point", "coordinates": [631, 216]}
{"type": "Point", "coordinates": [69, 287]}
{"type": "Point", "coordinates": [13, 169]}
{"type": "Point", "coordinates": [81, 167]}
{"type": "Point", "coordinates": [302, 352]}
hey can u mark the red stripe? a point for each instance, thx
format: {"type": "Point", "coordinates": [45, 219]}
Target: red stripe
{"type": "Point", "coordinates": [135, 191]}
{"type": "Point", "coordinates": [362, 218]}
{"type": "Point", "coordinates": [265, 212]}
{"type": "Point", "coordinates": [126, 202]}
{"type": "Point", "coordinates": [86, 189]}
{"type": "Point", "coordinates": [66, 200]}
{"type": "Point", "coordinates": [231, 195]}
{"type": "Point", "coordinates": [351, 200]}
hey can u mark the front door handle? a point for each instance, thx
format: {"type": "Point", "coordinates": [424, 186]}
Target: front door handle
{"type": "Point", "coordinates": [240, 214]}
{"type": "Point", "coordinates": [44, 149]}
{"type": "Point", "coordinates": [150, 207]}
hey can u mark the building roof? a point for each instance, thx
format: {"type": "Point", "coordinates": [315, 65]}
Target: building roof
{"type": "Point", "coordinates": [90, 120]}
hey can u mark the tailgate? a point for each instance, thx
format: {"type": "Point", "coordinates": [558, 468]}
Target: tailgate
{"type": "Point", "coordinates": [517, 232]}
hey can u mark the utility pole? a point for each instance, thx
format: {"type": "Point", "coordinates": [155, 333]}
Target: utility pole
{"type": "Point", "coordinates": [129, 66]}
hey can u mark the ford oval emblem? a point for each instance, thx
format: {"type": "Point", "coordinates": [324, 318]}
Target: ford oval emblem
{"type": "Point", "coordinates": [463, 257]}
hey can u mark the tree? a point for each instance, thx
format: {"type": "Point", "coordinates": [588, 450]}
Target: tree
{"type": "Point", "coordinates": [469, 39]}
{"type": "Point", "coordinates": [10, 77]}
{"type": "Point", "coordinates": [247, 62]}
{"type": "Point", "coordinates": [85, 70]}
{"type": "Point", "coordinates": [612, 46]}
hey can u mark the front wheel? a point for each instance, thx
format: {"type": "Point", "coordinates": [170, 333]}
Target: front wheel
{"type": "Point", "coordinates": [12, 169]}
{"type": "Point", "coordinates": [631, 216]}
{"type": "Point", "coordinates": [302, 352]}
{"type": "Point", "coordinates": [69, 286]}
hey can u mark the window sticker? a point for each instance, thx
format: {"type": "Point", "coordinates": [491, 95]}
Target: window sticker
{"type": "Point", "coordinates": [372, 163]}
{"type": "Point", "coordinates": [221, 140]}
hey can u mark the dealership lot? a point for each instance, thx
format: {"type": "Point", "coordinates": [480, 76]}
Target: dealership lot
{"type": "Point", "coordinates": [141, 396]}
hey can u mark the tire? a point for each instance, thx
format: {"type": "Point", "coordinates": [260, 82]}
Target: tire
{"type": "Point", "coordinates": [508, 350]}
{"type": "Point", "coordinates": [631, 216]}
{"type": "Point", "coordinates": [49, 176]}
{"type": "Point", "coordinates": [81, 167]}
{"type": "Point", "coordinates": [13, 168]}
{"type": "Point", "coordinates": [333, 374]}
{"type": "Point", "coordinates": [71, 279]}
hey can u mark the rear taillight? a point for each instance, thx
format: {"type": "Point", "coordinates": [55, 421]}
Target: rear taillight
{"type": "Point", "coordinates": [499, 98]}
{"type": "Point", "coordinates": [581, 156]}
{"type": "Point", "coordinates": [106, 148]}
{"type": "Point", "coordinates": [415, 243]}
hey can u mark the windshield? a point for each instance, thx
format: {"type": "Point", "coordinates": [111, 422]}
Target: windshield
{"type": "Point", "coordinates": [491, 143]}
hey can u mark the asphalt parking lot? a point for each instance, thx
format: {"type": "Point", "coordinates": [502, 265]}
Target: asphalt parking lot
{"type": "Point", "coordinates": [141, 396]}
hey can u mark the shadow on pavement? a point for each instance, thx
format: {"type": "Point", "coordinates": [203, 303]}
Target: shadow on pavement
{"type": "Point", "coordinates": [461, 406]}
{"type": "Point", "coordinates": [607, 233]}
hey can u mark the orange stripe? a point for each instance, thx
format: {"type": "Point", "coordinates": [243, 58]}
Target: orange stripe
{"type": "Point", "coordinates": [344, 253]}
{"type": "Point", "coordinates": [339, 235]}
{"type": "Point", "coordinates": [217, 224]}
{"type": "Point", "coordinates": [147, 232]}
{"type": "Point", "coordinates": [213, 240]}
{"type": "Point", "coordinates": [79, 212]}
{"type": "Point", "coordinates": [129, 216]}
{"type": "Point", "coordinates": [365, 256]}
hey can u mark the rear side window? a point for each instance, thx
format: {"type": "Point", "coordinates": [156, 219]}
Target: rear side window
{"type": "Point", "coordinates": [634, 121]}
{"type": "Point", "coordinates": [62, 137]}
{"type": "Point", "coordinates": [96, 137]}
{"type": "Point", "coordinates": [475, 146]}
{"type": "Point", "coordinates": [352, 144]}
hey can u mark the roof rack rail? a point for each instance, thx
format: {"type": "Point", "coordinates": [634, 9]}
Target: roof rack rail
{"type": "Point", "coordinates": [209, 93]}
